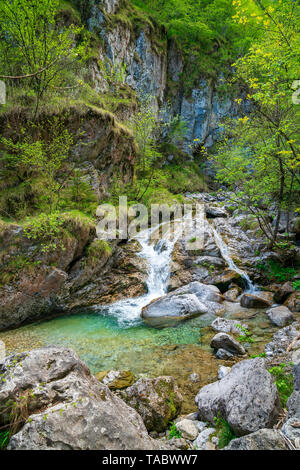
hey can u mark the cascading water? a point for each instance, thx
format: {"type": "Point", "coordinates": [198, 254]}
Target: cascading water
{"type": "Point", "coordinates": [158, 256]}
{"type": "Point", "coordinates": [250, 287]}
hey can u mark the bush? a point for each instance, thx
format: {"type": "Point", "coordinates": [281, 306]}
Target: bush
{"type": "Point", "coordinates": [284, 382]}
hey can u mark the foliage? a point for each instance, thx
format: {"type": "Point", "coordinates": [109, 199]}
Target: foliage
{"type": "Point", "coordinates": [4, 439]}
{"type": "Point", "coordinates": [173, 432]}
{"type": "Point", "coordinates": [46, 229]}
{"type": "Point", "coordinates": [296, 284]}
{"type": "Point", "coordinates": [284, 382]}
{"type": "Point", "coordinates": [35, 46]}
{"type": "Point", "coordinates": [276, 272]}
{"type": "Point", "coordinates": [259, 156]}
{"type": "Point", "coordinates": [223, 431]}
{"type": "Point", "coordinates": [245, 337]}
{"type": "Point", "coordinates": [253, 356]}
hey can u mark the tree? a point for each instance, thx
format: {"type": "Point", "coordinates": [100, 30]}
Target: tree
{"type": "Point", "coordinates": [34, 46]}
{"type": "Point", "coordinates": [259, 158]}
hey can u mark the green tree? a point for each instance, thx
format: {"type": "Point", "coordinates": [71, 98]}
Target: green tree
{"type": "Point", "coordinates": [259, 158]}
{"type": "Point", "coordinates": [34, 45]}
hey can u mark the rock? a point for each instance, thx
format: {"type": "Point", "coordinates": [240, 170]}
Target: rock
{"type": "Point", "coordinates": [194, 377]}
{"type": "Point", "coordinates": [171, 309]}
{"type": "Point", "coordinates": [67, 406]}
{"type": "Point", "coordinates": [116, 380]}
{"type": "Point", "coordinates": [223, 354]}
{"type": "Point", "coordinates": [223, 281]}
{"type": "Point", "coordinates": [210, 261]}
{"type": "Point", "coordinates": [280, 316]}
{"type": "Point", "coordinates": [204, 292]}
{"type": "Point", "coordinates": [158, 401]}
{"type": "Point", "coordinates": [232, 294]}
{"type": "Point", "coordinates": [228, 326]}
{"type": "Point", "coordinates": [246, 398]}
{"type": "Point", "coordinates": [291, 429]}
{"type": "Point", "coordinates": [293, 302]}
{"type": "Point", "coordinates": [227, 342]}
{"type": "Point", "coordinates": [281, 340]}
{"type": "Point", "coordinates": [214, 212]}
{"type": "Point", "coordinates": [188, 429]}
{"type": "Point", "coordinates": [264, 439]}
{"type": "Point", "coordinates": [223, 371]}
{"type": "Point", "coordinates": [293, 403]}
{"type": "Point", "coordinates": [282, 292]}
{"type": "Point", "coordinates": [257, 300]}
{"type": "Point", "coordinates": [203, 441]}
{"type": "Point", "coordinates": [178, 443]}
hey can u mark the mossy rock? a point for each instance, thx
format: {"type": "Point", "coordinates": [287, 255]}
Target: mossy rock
{"type": "Point", "coordinates": [116, 380]}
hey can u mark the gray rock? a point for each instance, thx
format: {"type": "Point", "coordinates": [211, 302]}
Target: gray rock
{"type": "Point", "coordinates": [227, 342]}
{"type": "Point", "coordinates": [291, 429]}
{"type": "Point", "coordinates": [232, 294]}
{"type": "Point", "coordinates": [223, 371]}
{"type": "Point", "coordinates": [257, 300]}
{"type": "Point", "coordinates": [281, 340]}
{"type": "Point", "coordinates": [247, 398]}
{"type": "Point", "coordinates": [214, 212]}
{"type": "Point", "coordinates": [171, 309]}
{"type": "Point", "coordinates": [68, 407]}
{"type": "Point", "coordinates": [204, 292]}
{"type": "Point", "coordinates": [264, 439]}
{"type": "Point", "coordinates": [204, 440]}
{"type": "Point", "coordinates": [188, 429]}
{"type": "Point", "coordinates": [280, 316]}
{"type": "Point", "coordinates": [228, 326]}
{"type": "Point", "coordinates": [223, 354]}
{"type": "Point", "coordinates": [158, 401]}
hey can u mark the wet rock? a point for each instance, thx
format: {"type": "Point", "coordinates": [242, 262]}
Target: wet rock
{"type": "Point", "coordinates": [227, 342]}
{"type": "Point", "coordinates": [280, 316]}
{"type": "Point", "coordinates": [281, 340]}
{"type": "Point", "coordinates": [264, 439]}
{"type": "Point", "coordinates": [223, 354]}
{"type": "Point", "coordinates": [215, 212]}
{"type": "Point", "coordinates": [158, 401]}
{"type": "Point", "coordinates": [257, 300]}
{"type": "Point", "coordinates": [203, 441]}
{"type": "Point", "coordinates": [223, 281]}
{"type": "Point", "coordinates": [172, 309]}
{"type": "Point", "coordinates": [232, 294]}
{"type": "Point", "coordinates": [223, 371]}
{"type": "Point", "coordinates": [228, 326]}
{"type": "Point", "coordinates": [115, 379]}
{"type": "Point", "coordinates": [246, 397]}
{"type": "Point", "coordinates": [66, 404]}
{"type": "Point", "coordinates": [188, 429]}
{"type": "Point", "coordinates": [293, 302]}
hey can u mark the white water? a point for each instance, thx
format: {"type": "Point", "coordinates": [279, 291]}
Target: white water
{"type": "Point", "coordinates": [158, 255]}
{"type": "Point", "coordinates": [250, 287]}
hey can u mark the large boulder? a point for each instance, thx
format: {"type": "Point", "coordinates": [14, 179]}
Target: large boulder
{"type": "Point", "coordinates": [257, 300]}
{"type": "Point", "coordinates": [170, 310]}
{"type": "Point", "coordinates": [66, 407]}
{"type": "Point", "coordinates": [291, 427]}
{"type": "Point", "coordinates": [186, 302]}
{"type": "Point", "coordinates": [158, 401]}
{"type": "Point", "coordinates": [246, 398]}
{"type": "Point", "coordinates": [280, 316]}
{"type": "Point", "coordinates": [264, 439]}
{"type": "Point", "coordinates": [227, 342]}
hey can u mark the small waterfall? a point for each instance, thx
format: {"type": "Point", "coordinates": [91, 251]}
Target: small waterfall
{"type": "Point", "coordinates": [158, 255]}
{"type": "Point", "coordinates": [250, 287]}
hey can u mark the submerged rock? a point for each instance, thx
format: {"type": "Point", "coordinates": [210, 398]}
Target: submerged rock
{"type": "Point", "coordinates": [264, 439]}
{"type": "Point", "coordinates": [227, 342]}
{"type": "Point", "coordinates": [68, 408]}
{"type": "Point", "coordinates": [115, 379]}
{"type": "Point", "coordinates": [257, 300]}
{"type": "Point", "coordinates": [280, 316]}
{"type": "Point", "coordinates": [246, 398]}
{"type": "Point", "coordinates": [158, 401]}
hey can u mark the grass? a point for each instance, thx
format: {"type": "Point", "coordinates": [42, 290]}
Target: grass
{"type": "Point", "coordinates": [173, 432]}
{"type": "Point", "coordinates": [223, 432]}
{"type": "Point", "coordinates": [275, 272]}
{"type": "Point", "coordinates": [284, 382]}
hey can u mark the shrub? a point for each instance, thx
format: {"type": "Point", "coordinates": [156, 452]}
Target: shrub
{"type": "Point", "coordinates": [284, 382]}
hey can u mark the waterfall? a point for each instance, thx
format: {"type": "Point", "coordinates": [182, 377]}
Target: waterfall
{"type": "Point", "coordinates": [158, 255]}
{"type": "Point", "coordinates": [250, 287]}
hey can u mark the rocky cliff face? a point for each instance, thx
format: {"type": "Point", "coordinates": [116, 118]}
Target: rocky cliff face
{"type": "Point", "coordinates": [154, 67]}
